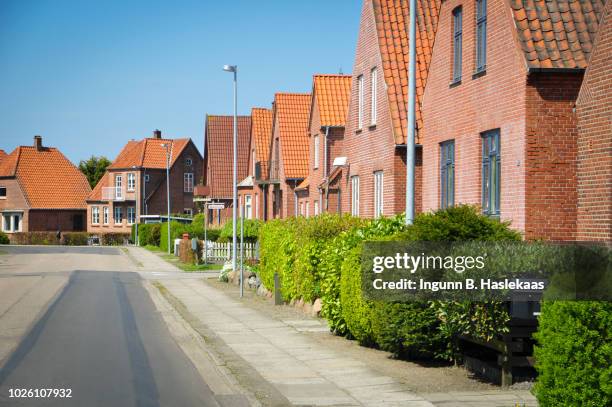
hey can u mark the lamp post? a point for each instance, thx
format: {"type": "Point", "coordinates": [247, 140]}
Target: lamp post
{"type": "Point", "coordinates": [167, 146]}
{"type": "Point", "coordinates": [234, 70]}
{"type": "Point", "coordinates": [411, 128]}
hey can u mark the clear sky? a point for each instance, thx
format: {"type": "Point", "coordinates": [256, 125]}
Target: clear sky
{"type": "Point", "coordinates": [91, 75]}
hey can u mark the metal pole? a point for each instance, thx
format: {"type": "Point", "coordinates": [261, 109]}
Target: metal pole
{"type": "Point", "coordinates": [410, 133]}
{"type": "Point", "coordinates": [168, 192]}
{"type": "Point", "coordinates": [242, 250]}
{"type": "Point", "coordinates": [235, 203]}
{"type": "Point", "coordinates": [205, 235]}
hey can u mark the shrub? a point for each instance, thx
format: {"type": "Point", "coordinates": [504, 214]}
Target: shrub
{"type": "Point", "coordinates": [75, 238]}
{"type": "Point", "coordinates": [196, 229]}
{"type": "Point", "coordinates": [277, 241]}
{"type": "Point", "coordinates": [149, 234]}
{"type": "Point", "coordinates": [35, 238]}
{"type": "Point", "coordinates": [114, 239]}
{"type": "Point", "coordinates": [251, 231]}
{"type": "Point", "coordinates": [574, 354]}
{"type": "Point", "coordinates": [4, 239]}
{"type": "Point", "coordinates": [176, 231]}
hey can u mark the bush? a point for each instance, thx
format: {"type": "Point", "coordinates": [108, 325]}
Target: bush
{"type": "Point", "coordinates": [251, 231]}
{"type": "Point", "coordinates": [149, 234]}
{"type": "Point", "coordinates": [75, 239]}
{"type": "Point", "coordinates": [114, 239]}
{"type": "Point", "coordinates": [176, 231]}
{"type": "Point", "coordinates": [574, 354]}
{"type": "Point", "coordinates": [197, 229]}
{"type": "Point", "coordinates": [35, 238]}
{"type": "Point", "coordinates": [4, 239]}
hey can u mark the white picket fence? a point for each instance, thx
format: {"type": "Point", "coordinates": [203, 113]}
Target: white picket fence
{"type": "Point", "coordinates": [221, 252]}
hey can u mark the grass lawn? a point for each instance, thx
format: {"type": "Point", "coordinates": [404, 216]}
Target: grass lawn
{"type": "Point", "coordinates": [189, 268]}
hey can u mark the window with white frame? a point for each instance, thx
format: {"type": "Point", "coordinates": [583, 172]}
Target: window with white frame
{"type": "Point", "coordinates": [131, 181]}
{"type": "Point", "coordinates": [118, 186]}
{"type": "Point", "coordinates": [307, 209]}
{"type": "Point", "coordinates": [11, 222]}
{"type": "Point", "coordinates": [316, 151]}
{"type": "Point", "coordinates": [95, 215]}
{"type": "Point", "coordinates": [188, 161]}
{"type": "Point", "coordinates": [2, 192]}
{"type": "Point", "coordinates": [118, 215]}
{"type": "Point", "coordinates": [131, 215]}
{"type": "Point", "coordinates": [360, 102]}
{"type": "Point", "coordinates": [188, 182]}
{"type": "Point", "coordinates": [374, 101]}
{"type": "Point", "coordinates": [188, 211]}
{"type": "Point", "coordinates": [355, 195]}
{"type": "Point", "coordinates": [316, 208]}
{"type": "Point", "coordinates": [248, 207]}
{"type": "Point", "coordinates": [105, 215]}
{"type": "Point", "coordinates": [378, 194]}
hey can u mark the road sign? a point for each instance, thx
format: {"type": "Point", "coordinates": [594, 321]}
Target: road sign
{"type": "Point", "coordinates": [216, 206]}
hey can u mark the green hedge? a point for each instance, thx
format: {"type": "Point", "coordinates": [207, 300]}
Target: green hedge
{"type": "Point", "coordinates": [251, 231]}
{"type": "Point", "coordinates": [148, 234]}
{"type": "Point", "coordinates": [574, 354]}
{"type": "Point", "coordinates": [4, 239]}
{"type": "Point", "coordinates": [114, 239]}
{"type": "Point", "coordinates": [75, 239]}
{"type": "Point", "coordinates": [35, 238]}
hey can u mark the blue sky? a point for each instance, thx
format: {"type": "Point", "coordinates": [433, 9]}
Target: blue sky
{"type": "Point", "coordinates": [90, 75]}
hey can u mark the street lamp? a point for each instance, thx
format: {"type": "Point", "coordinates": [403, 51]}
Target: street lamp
{"type": "Point", "coordinates": [411, 128]}
{"type": "Point", "coordinates": [167, 146]}
{"type": "Point", "coordinates": [234, 70]}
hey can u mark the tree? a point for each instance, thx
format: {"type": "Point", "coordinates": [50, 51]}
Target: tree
{"type": "Point", "coordinates": [94, 168]}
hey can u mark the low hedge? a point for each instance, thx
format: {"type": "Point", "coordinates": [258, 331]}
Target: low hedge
{"type": "Point", "coordinates": [251, 231]}
{"type": "Point", "coordinates": [574, 354]}
{"type": "Point", "coordinates": [148, 234]}
{"type": "Point", "coordinates": [35, 238]}
{"type": "Point", "coordinates": [4, 239]}
{"type": "Point", "coordinates": [75, 239]}
{"type": "Point", "coordinates": [114, 239]}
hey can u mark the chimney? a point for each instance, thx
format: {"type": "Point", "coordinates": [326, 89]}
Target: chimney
{"type": "Point", "coordinates": [156, 133]}
{"type": "Point", "coordinates": [38, 143]}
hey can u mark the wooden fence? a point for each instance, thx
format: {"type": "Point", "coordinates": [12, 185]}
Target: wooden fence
{"type": "Point", "coordinates": [221, 252]}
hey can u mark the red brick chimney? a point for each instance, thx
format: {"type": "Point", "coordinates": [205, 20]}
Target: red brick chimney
{"type": "Point", "coordinates": [38, 143]}
{"type": "Point", "coordinates": [156, 133]}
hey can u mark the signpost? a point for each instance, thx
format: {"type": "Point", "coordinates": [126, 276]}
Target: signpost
{"type": "Point", "coordinates": [208, 206]}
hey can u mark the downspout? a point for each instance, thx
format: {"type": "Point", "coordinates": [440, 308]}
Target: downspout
{"type": "Point", "coordinates": [295, 198]}
{"type": "Point", "coordinates": [325, 173]}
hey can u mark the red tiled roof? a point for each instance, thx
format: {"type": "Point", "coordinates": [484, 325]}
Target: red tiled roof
{"type": "Point", "coordinates": [148, 153]}
{"type": "Point", "coordinates": [219, 152]}
{"type": "Point", "coordinates": [332, 94]}
{"type": "Point", "coordinates": [303, 186]}
{"type": "Point", "coordinates": [96, 193]}
{"type": "Point", "coordinates": [391, 23]}
{"type": "Point", "coordinates": [557, 33]}
{"type": "Point", "coordinates": [2, 154]}
{"type": "Point", "coordinates": [261, 132]}
{"type": "Point", "coordinates": [47, 178]}
{"type": "Point", "coordinates": [291, 111]}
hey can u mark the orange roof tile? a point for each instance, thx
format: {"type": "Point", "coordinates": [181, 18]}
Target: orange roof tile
{"type": "Point", "coordinates": [47, 178]}
{"type": "Point", "coordinates": [261, 132]}
{"type": "Point", "coordinates": [291, 114]}
{"type": "Point", "coordinates": [219, 153]}
{"type": "Point", "coordinates": [332, 94]}
{"type": "Point", "coordinates": [2, 154]}
{"type": "Point", "coordinates": [557, 33]}
{"type": "Point", "coordinates": [391, 23]}
{"type": "Point", "coordinates": [148, 153]}
{"type": "Point", "coordinates": [96, 193]}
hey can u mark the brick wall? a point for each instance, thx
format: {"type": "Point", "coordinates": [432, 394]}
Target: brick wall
{"type": "Point", "coordinates": [550, 156]}
{"type": "Point", "coordinates": [594, 150]}
{"type": "Point", "coordinates": [53, 220]}
{"type": "Point", "coordinates": [495, 100]}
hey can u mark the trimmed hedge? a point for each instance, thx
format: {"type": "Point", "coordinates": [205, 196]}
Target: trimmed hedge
{"type": "Point", "coordinates": [114, 239]}
{"type": "Point", "coordinates": [75, 239]}
{"type": "Point", "coordinates": [251, 231]}
{"type": "Point", "coordinates": [35, 238]}
{"type": "Point", "coordinates": [4, 239]}
{"type": "Point", "coordinates": [148, 234]}
{"type": "Point", "coordinates": [574, 354]}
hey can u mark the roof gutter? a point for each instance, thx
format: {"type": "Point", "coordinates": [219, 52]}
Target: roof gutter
{"type": "Point", "coordinates": [555, 70]}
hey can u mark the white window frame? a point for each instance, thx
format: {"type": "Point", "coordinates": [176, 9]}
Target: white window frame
{"type": "Point", "coordinates": [118, 219]}
{"type": "Point", "coordinates": [131, 215]}
{"type": "Point", "coordinates": [316, 151]}
{"type": "Point", "coordinates": [307, 209]}
{"type": "Point", "coordinates": [374, 95]}
{"type": "Point", "coordinates": [378, 194]}
{"type": "Point", "coordinates": [188, 162]}
{"type": "Point", "coordinates": [105, 215]}
{"type": "Point", "coordinates": [188, 182]}
{"type": "Point", "coordinates": [316, 208]}
{"type": "Point", "coordinates": [5, 192]}
{"type": "Point", "coordinates": [131, 181]}
{"type": "Point", "coordinates": [118, 186]}
{"type": "Point", "coordinates": [360, 102]}
{"type": "Point", "coordinates": [10, 228]}
{"type": "Point", "coordinates": [248, 207]}
{"type": "Point", "coordinates": [95, 215]}
{"type": "Point", "coordinates": [355, 195]}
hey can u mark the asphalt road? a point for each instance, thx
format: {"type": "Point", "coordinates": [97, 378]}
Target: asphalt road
{"type": "Point", "coordinates": [103, 339]}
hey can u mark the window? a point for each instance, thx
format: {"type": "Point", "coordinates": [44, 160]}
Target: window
{"type": "Point", "coordinates": [307, 205]}
{"type": "Point", "coordinates": [374, 101]}
{"type": "Point", "coordinates": [118, 215]}
{"type": "Point", "coordinates": [188, 182]}
{"type": "Point", "coordinates": [447, 174]}
{"type": "Point", "coordinates": [95, 215]}
{"type": "Point", "coordinates": [481, 35]}
{"type": "Point", "coordinates": [378, 194]}
{"type": "Point", "coordinates": [188, 161]}
{"type": "Point", "coordinates": [105, 215]}
{"type": "Point", "coordinates": [491, 171]}
{"type": "Point", "coordinates": [457, 40]}
{"type": "Point", "coordinates": [188, 211]}
{"type": "Point", "coordinates": [131, 215]}
{"type": "Point", "coordinates": [248, 207]}
{"type": "Point", "coordinates": [147, 177]}
{"type": "Point", "coordinates": [11, 222]}
{"type": "Point", "coordinates": [360, 102]}
{"type": "Point", "coordinates": [131, 181]}
{"type": "Point", "coordinates": [118, 187]}
{"type": "Point", "coordinates": [256, 206]}
{"type": "Point", "coordinates": [355, 195]}
{"type": "Point", "coordinates": [316, 208]}
{"type": "Point", "coordinates": [316, 152]}
{"type": "Point", "coordinates": [2, 192]}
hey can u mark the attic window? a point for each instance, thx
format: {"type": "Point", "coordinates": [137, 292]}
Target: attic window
{"type": "Point", "coordinates": [2, 192]}
{"type": "Point", "coordinates": [188, 161]}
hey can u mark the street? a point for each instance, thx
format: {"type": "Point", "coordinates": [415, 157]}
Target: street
{"type": "Point", "coordinates": [98, 334]}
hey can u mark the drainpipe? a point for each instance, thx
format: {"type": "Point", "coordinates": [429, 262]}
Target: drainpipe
{"type": "Point", "coordinates": [295, 199]}
{"type": "Point", "coordinates": [325, 172]}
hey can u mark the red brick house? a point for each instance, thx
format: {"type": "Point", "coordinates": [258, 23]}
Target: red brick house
{"type": "Point", "coordinates": [594, 111]}
{"type": "Point", "coordinates": [375, 135]}
{"type": "Point", "coordinates": [135, 184]}
{"type": "Point", "coordinates": [288, 163]}
{"type": "Point", "coordinates": [41, 190]}
{"type": "Point", "coordinates": [498, 110]}
{"type": "Point", "coordinates": [261, 135]}
{"type": "Point", "coordinates": [218, 162]}
{"type": "Point", "coordinates": [328, 111]}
